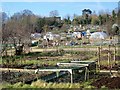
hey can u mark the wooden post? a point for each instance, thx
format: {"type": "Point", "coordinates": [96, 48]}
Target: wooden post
{"type": "Point", "coordinates": [99, 57]}
{"type": "Point", "coordinates": [109, 48]}
{"type": "Point", "coordinates": [108, 58]}
{"type": "Point", "coordinates": [6, 51]}
{"type": "Point", "coordinates": [85, 73]}
{"type": "Point", "coordinates": [100, 49]}
{"type": "Point", "coordinates": [88, 73]}
{"type": "Point", "coordinates": [109, 55]}
{"type": "Point", "coordinates": [10, 50]}
{"type": "Point", "coordinates": [114, 54]}
{"type": "Point", "coordinates": [36, 76]}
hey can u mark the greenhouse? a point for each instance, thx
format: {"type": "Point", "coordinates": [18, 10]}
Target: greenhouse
{"type": "Point", "coordinates": [98, 38]}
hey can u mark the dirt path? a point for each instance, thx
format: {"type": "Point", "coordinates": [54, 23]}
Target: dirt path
{"type": "Point", "coordinates": [34, 49]}
{"type": "Point", "coordinates": [33, 70]}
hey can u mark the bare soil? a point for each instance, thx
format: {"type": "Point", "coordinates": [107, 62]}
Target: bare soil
{"type": "Point", "coordinates": [24, 66]}
{"type": "Point", "coordinates": [114, 67]}
{"type": "Point", "coordinates": [14, 77]}
{"type": "Point", "coordinates": [106, 58]}
{"type": "Point", "coordinates": [111, 83]}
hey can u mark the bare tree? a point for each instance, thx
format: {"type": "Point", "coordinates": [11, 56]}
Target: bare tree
{"type": "Point", "coordinates": [17, 31]}
{"type": "Point", "coordinates": [3, 41]}
{"type": "Point", "coordinates": [54, 13]}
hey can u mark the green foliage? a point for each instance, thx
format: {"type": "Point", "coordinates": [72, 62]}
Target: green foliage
{"type": "Point", "coordinates": [22, 59]}
{"type": "Point", "coordinates": [87, 84]}
{"type": "Point", "coordinates": [18, 85]}
{"type": "Point", "coordinates": [114, 15]}
{"type": "Point", "coordinates": [95, 21]}
{"type": "Point", "coordinates": [59, 52]}
{"type": "Point", "coordinates": [67, 21]}
{"type": "Point", "coordinates": [40, 23]}
{"type": "Point", "coordinates": [104, 88]}
{"type": "Point", "coordinates": [42, 84]}
{"type": "Point", "coordinates": [5, 85]}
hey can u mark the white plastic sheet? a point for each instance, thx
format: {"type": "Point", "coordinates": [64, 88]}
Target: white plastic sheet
{"type": "Point", "coordinates": [98, 35]}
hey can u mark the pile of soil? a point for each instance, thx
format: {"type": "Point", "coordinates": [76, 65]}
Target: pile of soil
{"type": "Point", "coordinates": [111, 83]}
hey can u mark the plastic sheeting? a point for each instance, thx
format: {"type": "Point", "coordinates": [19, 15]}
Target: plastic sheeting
{"type": "Point", "coordinates": [98, 35]}
{"type": "Point", "coordinates": [98, 38]}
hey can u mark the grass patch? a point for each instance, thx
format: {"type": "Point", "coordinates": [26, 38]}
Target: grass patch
{"type": "Point", "coordinates": [42, 84]}
{"type": "Point", "coordinates": [31, 58]}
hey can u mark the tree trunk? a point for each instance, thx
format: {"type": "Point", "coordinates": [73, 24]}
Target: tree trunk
{"type": "Point", "coordinates": [19, 50]}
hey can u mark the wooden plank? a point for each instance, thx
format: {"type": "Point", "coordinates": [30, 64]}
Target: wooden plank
{"type": "Point", "coordinates": [83, 61]}
{"type": "Point", "coordinates": [73, 64]}
{"type": "Point", "coordinates": [108, 71]}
